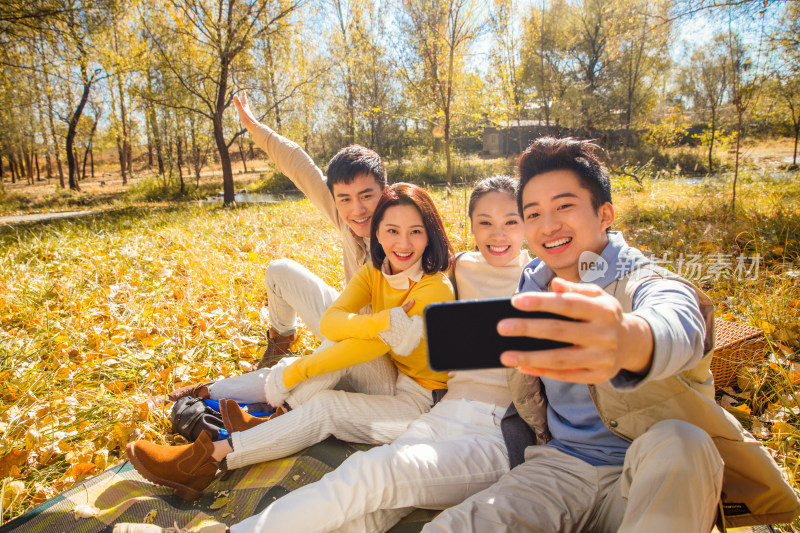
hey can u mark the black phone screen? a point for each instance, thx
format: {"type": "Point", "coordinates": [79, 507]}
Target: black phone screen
{"type": "Point", "coordinates": [463, 335]}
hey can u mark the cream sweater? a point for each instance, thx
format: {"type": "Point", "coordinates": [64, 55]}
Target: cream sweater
{"type": "Point", "coordinates": [477, 279]}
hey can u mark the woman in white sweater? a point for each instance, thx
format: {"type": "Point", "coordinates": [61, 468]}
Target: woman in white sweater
{"type": "Point", "coordinates": [451, 452]}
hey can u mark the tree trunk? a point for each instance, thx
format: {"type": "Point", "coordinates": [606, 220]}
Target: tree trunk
{"type": "Point", "coordinates": [351, 109]}
{"type": "Point", "coordinates": [151, 116]}
{"type": "Point", "coordinates": [219, 134]}
{"type": "Point", "coordinates": [159, 147]}
{"type": "Point", "coordinates": [32, 162]}
{"type": "Point", "coordinates": [19, 165]}
{"type": "Point", "coordinates": [123, 169]}
{"type": "Point", "coordinates": [241, 152]}
{"type": "Point", "coordinates": [53, 134]}
{"type": "Point", "coordinates": [72, 129]}
{"type": "Point", "coordinates": [447, 149]}
{"type": "Point", "coordinates": [166, 139]}
{"type": "Point", "coordinates": [48, 163]}
{"type": "Point", "coordinates": [179, 143]}
{"type": "Point", "coordinates": [126, 149]}
{"type": "Point", "coordinates": [85, 159]}
{"type": "Point", "coordinates": [55, 144]}
{"type": "Point", "coordinates": [36, 161]}
{"type": "Point", "coordinates": [711, 144]}
{"type": "Point", "coordinates": [81, 163]}
{"type": "Point", "coordinates": [273, 86]}
{"type": "Point", "coordinates": [43, 129]}
{"type": "Point", "coordinates": [448, 100]}
{"type": "Point", "coordinates": [129, 156]}
{"type": "Point", "coordinates": [195, 152]}
{"type": "Point", "coordinates": [88, 150]}
{"type": "Point", "coordinates": [121, 157]}
{"type": "Point", "coordinates": [736, 164]}
{"type": "Point", "coordinates": [25, 161]}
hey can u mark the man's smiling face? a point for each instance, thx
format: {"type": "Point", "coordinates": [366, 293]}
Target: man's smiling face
{"type": "Point", "coordinates": [356, 202]}
{"type": "Point", "coordinates": [561, 222]}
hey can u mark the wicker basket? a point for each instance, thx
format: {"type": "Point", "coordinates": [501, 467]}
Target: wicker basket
{"type": "Point", "coordinates": [737, 345]}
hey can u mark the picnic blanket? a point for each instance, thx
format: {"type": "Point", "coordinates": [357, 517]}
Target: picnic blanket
{"type": "Point", "coordinates": [122, 495]}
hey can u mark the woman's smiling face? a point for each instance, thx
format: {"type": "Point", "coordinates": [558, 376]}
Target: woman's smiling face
{"type": "Point", "coordinates": [403, 237]}
{"type": "Point", "coordinates": [497, 227]}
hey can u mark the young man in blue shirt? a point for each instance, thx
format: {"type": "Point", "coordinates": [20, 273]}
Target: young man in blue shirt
{"type": "Point", "coordinates": [618, 432]}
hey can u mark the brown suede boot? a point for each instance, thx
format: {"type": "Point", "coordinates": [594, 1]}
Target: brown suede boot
{"type": "Point", "coordinates": [234, 419]}
{"type": "Point", "coordinates": [186, 469]}
{"type": "Point", "coordinates": [196, 391]}
{"type": "Point", "coordinates": [277, 347]}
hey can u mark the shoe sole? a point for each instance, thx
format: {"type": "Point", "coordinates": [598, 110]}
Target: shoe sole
{"type": "Point", "coordinates": [182, 491]}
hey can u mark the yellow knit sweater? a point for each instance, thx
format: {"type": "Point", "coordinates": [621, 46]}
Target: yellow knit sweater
{"type": "Point", "coordinates": [357, 335]}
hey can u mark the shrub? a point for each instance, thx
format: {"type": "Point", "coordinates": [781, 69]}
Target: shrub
{"type": "Point", "coordinates": [272, 182]}
{"type": "Point", "coordinates": [433, 170]}
{"type": "Point", "coordinates": [164, 187]}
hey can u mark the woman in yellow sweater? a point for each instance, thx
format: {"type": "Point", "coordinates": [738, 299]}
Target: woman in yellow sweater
{"type": "Point", "coordinates": [410, 253]}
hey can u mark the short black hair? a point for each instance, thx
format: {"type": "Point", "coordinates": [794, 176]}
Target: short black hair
{"type": "Point", "coordinates": [580, 156]}
{"type": "Point", "coordinates": [498, 183]}
{"type": "Point", "coordinates": [438, 254]}
{"type": "Point", "coordinates": [352, 161]}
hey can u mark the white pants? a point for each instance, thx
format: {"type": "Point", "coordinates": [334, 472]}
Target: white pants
{"type": "Point", "coordinates": [378, 376]}
{"type": "Point", "coordinates": [445, 456]}
{"type": "Point", "coordinates": [319, 412]}
{"type": "Point", "coordinates": [294, 290]}
{"type": "Point", "coordinates": [670, 481]}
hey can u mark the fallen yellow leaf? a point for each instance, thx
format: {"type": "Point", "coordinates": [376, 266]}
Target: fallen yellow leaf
{"type": "Point", "coordinates": [220, 502]}
{"type": "Point", "coordinates": [151, 342]}
{"type": "Point", "coordinates": [782, 428]}
{"type": "Point", "coordinates": [742, 409]}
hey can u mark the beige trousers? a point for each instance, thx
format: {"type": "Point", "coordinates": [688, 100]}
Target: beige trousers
{"type": "Point", "coordinates": [670, 481]}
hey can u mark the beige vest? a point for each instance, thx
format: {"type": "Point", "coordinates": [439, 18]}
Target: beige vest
{"type": "Point", "coordinates": [754, 490]}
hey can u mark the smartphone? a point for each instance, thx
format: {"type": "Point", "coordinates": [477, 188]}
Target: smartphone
{"type": "Point", "coordinates": [463, 335]}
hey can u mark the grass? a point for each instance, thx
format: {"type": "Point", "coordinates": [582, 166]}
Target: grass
{"type": "Point", "coordinates": [98, 314]}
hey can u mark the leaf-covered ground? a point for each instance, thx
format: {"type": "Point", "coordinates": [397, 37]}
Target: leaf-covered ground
{"type": "Point", "coordinates": [99, 314]}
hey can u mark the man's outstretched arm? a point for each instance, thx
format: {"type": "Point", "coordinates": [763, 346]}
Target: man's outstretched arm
{"type": "Point", "coordinates": [290, 159]}
{"type": "Point", "coordinates": [605, 340]}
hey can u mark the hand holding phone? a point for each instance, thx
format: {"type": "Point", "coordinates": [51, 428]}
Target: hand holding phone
{"type": "Point", "coordinates": [463, 335]}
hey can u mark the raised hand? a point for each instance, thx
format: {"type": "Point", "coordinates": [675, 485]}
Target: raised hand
{"type": "Point", "coordinates": [245, 114]}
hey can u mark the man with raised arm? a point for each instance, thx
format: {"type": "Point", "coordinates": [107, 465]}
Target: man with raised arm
{"type": "Point", "coordinates": [356, 177]}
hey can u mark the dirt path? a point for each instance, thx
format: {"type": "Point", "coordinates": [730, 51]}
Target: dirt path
{"type": "Point", "coordinates": [39, 217]}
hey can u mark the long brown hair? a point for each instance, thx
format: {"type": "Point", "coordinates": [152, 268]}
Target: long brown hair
{"type": "Point", "coordinates": [438, 254]}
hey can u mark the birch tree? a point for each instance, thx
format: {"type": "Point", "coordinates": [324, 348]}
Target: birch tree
{"type": "Point", "coordinates": [436, 37]}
